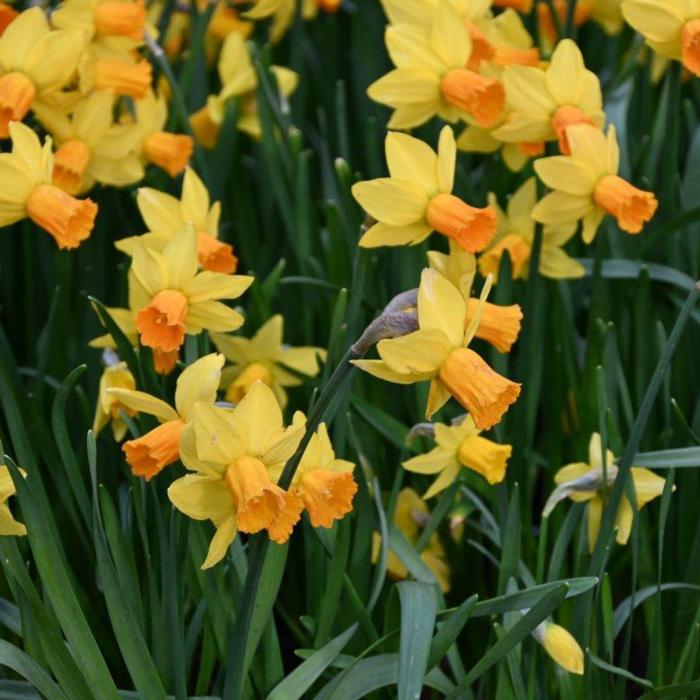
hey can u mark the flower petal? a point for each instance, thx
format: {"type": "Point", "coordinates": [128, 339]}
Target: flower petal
{"type": "Point", "coordinates": [393, 202]}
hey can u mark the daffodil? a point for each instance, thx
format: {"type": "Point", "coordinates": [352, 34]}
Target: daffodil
{"type": "Point", "coordinates": [234, 454]}
{"type": "Point", "coordinates": [226, 20]}
{"type": "Point", "coordinates": [36, 64]}
{"type": "Point", "coordinates": [670, 27]}
{"type": "Point", "coordinates": [415, 200]}
{"type": "Point", "coordinates": [583, 482]}
{"type": "Point", "coordinates": [516, 233]}
{"type": "Point", "coordinates": [498, 325]}
{"type": "Point", "coordinates": [171, 152]}
{"type": "Point", "coordinates": [174, 299]}
{"type": "Point", "coordinates": [120, 23]}
{"type": "Point", "coordinates": [264, 358]}
{"type": "Point", "coordinates": [411, 514]}
{"type": "Point", "coordinates": [239, 82]}
{"type": "Point", "coordinates": [109, 408]}
{"type": "Point", "coordinates": [438, 352]}
{"type": "Point", "coordinates": [91, 148]}
{"type": "Point", "coordinates": [586, 186]}
{"type": "Point", "coordinates": [149, 454]}
{"type": "Point", "coordinates": [325, 484]}
{"type": "Point", "coordinates": [8, 525]}
{"type": "Point", "coordinates": [561, 646]}
{"type": "Point", "coordinates": [125, 319]}
{"type": "Point", "coordinates": [460, 446]}
{"type": "Point", "coordinates": [124, 73]}
{"type": "Point", "coordinates": [544, 103]}
{"type": "Point", "coordinates": [28, 191]}
{"type": "Point", "coordinates": [431, 77]}
{"type": "Point", "coordinates": [165, 216]}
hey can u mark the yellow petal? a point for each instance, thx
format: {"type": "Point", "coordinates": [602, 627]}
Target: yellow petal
{"type": "Point", "coordinates": [421, 352]}
{"type": "Point", "coordinates": [406, 86]}
{"type": "Point", "coordinates": [149, 269]}
{"type": "Point", "coordinates": [647, 485]}
{"type": "Point", "coordinates": [449, 37]}
{"type": "Point", "coordinates": [527, 90]}
{"type": "Point", "coordinates": [385, 235]}
{"type": "Point", "coordinates": [181, 257]}
{"type": "Point", "coordinates": [556, 264]}
{"type": "Point", "coordinates": [214, 430]}
{"type": "Point", "coordinates": [441, 306]}
{"type": "Point", "coordinates": [658, 20]}
{"type": "Point", "coordinates": [258, 418]}
{"type": "Point", "coordinates": [412, 160]}
{"type": "Point", "coordinates": [443, 481]}
{"type": "Point", "coordinates": [195, 199]}
{"type": "Point", "coordinates": [447, 160]}
{"type": "Point", "coordinates": [590, 146]}
{"type": "Point", "coordinates": [434, 461]}
{"type": "Point", "coordinates": [8, 525]}
{"type": "Point", "coordinates": [393, 202]}
{"type": "Point", "coordinates": [198, 382]}
{"type": "Point", "coordinates": [564, 174]}
{"type": "Point", "coordinates": [623, 521]}
{"type": "Point", "coordinates": [379, 369]}
{"type": "Point", "coordinates": [159, 210]}
{"type": "Point", "coordinates": [207, 286]}
{"type": "Point", "coordinates": [594, 515]}
{"type": "Point", "coordinates": [591, 224]}
{"type": "Point", "coordinates": [225, 534]}
{"type": "Point", "coordinates": [559, 208]}
{"type": "Point", "coordinates": [212, 316]}
{"type": "Point", "coordinates": [564, 72]}
{"type": "Point", "coordinates": [201, 497]}
{"type": "Point", "coordinates": [142, 402]}
{"type": "Point", "coordinates": [438, 396]}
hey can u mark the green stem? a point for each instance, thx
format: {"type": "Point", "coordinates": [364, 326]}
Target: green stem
{"type": "Point", "coordinates": [556, 20]}
{"type": "Point", "coordinates": [570, 28]}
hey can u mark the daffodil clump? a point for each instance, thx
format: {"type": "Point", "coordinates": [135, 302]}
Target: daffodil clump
{"type": "Point", "coordinates": [263, 434]}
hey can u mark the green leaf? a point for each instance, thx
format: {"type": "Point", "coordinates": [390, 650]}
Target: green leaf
{"type": "Point", "coordinates": [681, 690]}
{"type": "Point", "coordinates": [418, 608]}
{"type": "Point", "coordinates": [510, 551]}
{"type": "Point", "coordinates": [516, 634]}
{"type": "Point", "coordinates": [624, 673]}
{"type": "Point", "coordinates": [449, 629]}
{"type": "Point", "coordinates": [25, 666]}
{"type": "Point", "coordinates": [304, 676]}
{"type": "Point", "coordinates": [667, 459]}
{"type": "Point", "coordinates": [630, 270]}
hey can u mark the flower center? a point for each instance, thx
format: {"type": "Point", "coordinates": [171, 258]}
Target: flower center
{"type": "Point", "coordinates": [171, 152]}
{"type": "Point", "coordinates": [468, 226]}
{"type": "Point", "coordinates": [150, 453]}
{"type": "Point", "coordinates": [630, 206]}
{"type": "Point", "coordinates": [214, 255]}
{"type": "Point", "coordinates": [17, 93]}
{"type": "Point", "coordinates": [67, 219]}
{"type": "Point", "coordinates": [70, 162]}
{"type": "Point", "coordinates": [563, 118]}
{"type": "Point", "coordinates": [162, 323]}
{"type": "Point", "coordinates": [518, 251]}
{"type": "Point", "coordinates": [482, 98]}
{"type": "Point", "coordinates": [121, 19]}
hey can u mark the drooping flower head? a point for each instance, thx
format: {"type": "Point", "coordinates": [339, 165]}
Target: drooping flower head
{"type": "Point", "coordinates": [36, 64]}
{"type": "Point", "coordinates": [149, 454]}
{"type": "Point", "coordinates": [109, 408]}
{"type": "Point", "coordinates": [544, 103]}
{"type": "Point", "coordinates": [516, 233]}
{"type": "Point", "coordinates": [235, 455]}
{"type": "Point", "coordinates": [583, 482]}
{"type": "Point", "coordinates": [175, 299]}
{"type": "Point", "coordinates": [416, 199]}
{"type": "Point", "coordinates": [438, 352]}
{"type": "Point", "coordinates": [264, 358]}
{"type": "Point", "coordinates": [27, 174]}
{"type": "Point", "coordinates": [165, 216]}
{"type": "Point", "coordinates": [585, 185]}
{"type": "Point", "coordinates": [460, 446]}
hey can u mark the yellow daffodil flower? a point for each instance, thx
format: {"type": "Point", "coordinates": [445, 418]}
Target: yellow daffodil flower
{"type": "Point", "coordinates": [165, 215]}
{"type": "Point", "coordinates": [438, 352]}
{"type": "Point", "coordinates": [233, 454]}
{"type": "Point", "coordinates": [27, 191]}
{"type": "Point", "coordinates": [91, 148]}
{"type": "Point", "coordinates": [670, 27]}
{"type": "Point", "coordinates": [8, 525]}
{"type": "Point", "coordinates": [239, 82]}
{"type": "Point", "coordinates": [36, 63]}
{"type": "Point", "coordinates": [583, 482]}
{"type": "Point", "coordinates": [415, 200]}
{"type": "Point", "coordinates": [172, 152]}
{"type": "Point", "coordinates": [149, 454]}
{"type": "Point", "coordinates": [460, 446]}
{"type": "Point", "coordinates": [108, 409]}
{"type": "Point", "coordinates": [431, 77]}
{"type": "Point", "coordinates": [164, 362]}
{"type": "Point", "coordinates": [226, 20]}
{"type": "Point", "coordinates": [516, 233]}
{"type": "Point", "coordinates": [544, 103]}
{"type": "Point", "coordinates": [264, 358]}
{"type": "Point", "coordinates": [174, 299]}
{"type": "Point", "coordinates": [410, 517]}
{"type": "Point", "coordinates": [325, 484]}
{"type": "Point", "coordinates": [119, 23]}
{"type": "Point", "coordinates": [561, 646]}
{"type": "Point", "coordinates": [498, 325]}
{"type": "Point", "coordinates": [586, 185]}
